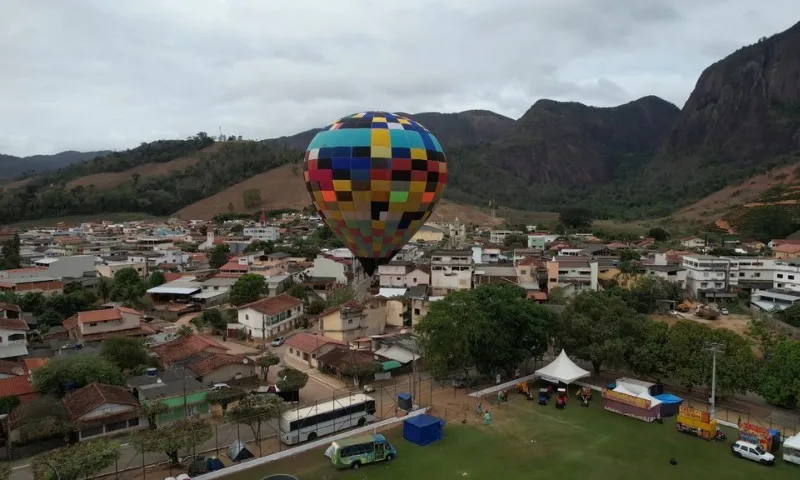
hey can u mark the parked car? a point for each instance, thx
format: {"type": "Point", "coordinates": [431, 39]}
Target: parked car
{"type": "Point", "coordinates": [753, 452]}
{"type": "Point", "coordinates": [219, 386]}
{"type": "Point", "coordinates": [277, 342]}
{"type": "Point", "coordinates": [463, 382]}
{"type": "Point", "coordinates": [724, 311]}
{"type": "Point", "coordinates": [369, 389]}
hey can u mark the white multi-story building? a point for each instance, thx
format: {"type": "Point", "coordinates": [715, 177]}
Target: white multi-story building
{"type": "Point", "coordinates": [270, 316]}
{"type": "Point", "coordinates": [706, 275]}
{"type": "Point", "coordinates": [451, 270]}
{"type": "Point", "coordinates": [13, 330]}
{"type": "Point", "coordinates": [787, 275]}
{"type": "Point", "coordinates": [572, 274]}
{"type": "Point", "coordinates": [264, 233]}
{"type": "Point", "coordinates": [751, 272]}
{"type": "Point", "coordinates": [670, 273]}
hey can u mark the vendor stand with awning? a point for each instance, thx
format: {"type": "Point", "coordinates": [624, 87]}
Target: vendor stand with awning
{"type": "Point", "coordinates": [561, 370]}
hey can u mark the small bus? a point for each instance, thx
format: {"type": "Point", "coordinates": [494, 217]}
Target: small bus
{"type": "Point", "coordinates": [309, 423]}
{"type": "Point", "coordinates": [357, 451]}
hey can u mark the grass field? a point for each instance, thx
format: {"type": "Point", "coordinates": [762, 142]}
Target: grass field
{"type": "Point", "coordinates": [529, 441]}
{"type": "Point", "coordinates": [78, 219]}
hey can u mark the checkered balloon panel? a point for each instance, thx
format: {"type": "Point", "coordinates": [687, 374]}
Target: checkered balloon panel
{"type": "Point", "coordinates": [375, 178]}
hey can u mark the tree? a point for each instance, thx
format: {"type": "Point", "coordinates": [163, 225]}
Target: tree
{"type": "Point", "coordinates": [493, 327]}
{"type": "Point", "coordinates": [764, 335]}
{"type": "Point", "coordinates": [686, 344]}
{"type": "Point", "coordinates": [645, 294]}
{"type": "Point", "coordinates": [316, 307]}
{"type": "Point", "coordinates": [297, 291]}
{"type": "Point", "coordinates": [780, 383]}
{"type": "Point", "coordinates": [219, 255]}
{"type": "Point", "coordinates": [225, 396]}
{"type": "Point", "coordinates": [237, 229]}
{"type": "Point", "coordinates": [151, 411]}
{"type": "Point", "coordinates": [248, 288]}
{"type": "Point", "coordinates": [291, 380]}
{"type": "Point", "coordinates": [8, 403]}
{"type": "Point", "coordinates": [265, 361]}
{"type": "Point", "coordinates": [516, 241]}
{"type": "Point", "coordinates": [10, 253]}
{"type": "Point", "coordinates": [185, 331]}
{"type": "Point", "coordinates": [66, 373]}
{"type": "Point", "coordinates": [658, 234]}
{"type": "Point", "coordinates": [50, 318]}
{"type": "Point", "coordinates": [104, 288]}
{"type": "Point", "coordinates": [81, 460]}
{"type": "Point", "coordinates": [125, 352]}
{"type": "Point", "coordinates": [184, 434]}
{"type": "Point", "coordinates": [214, 318]}
{"type": "Point", "coordinates": [648, 357]}
{"type": "Point", "coordinates": [556, 296]}
{"type": "Point", "coordinates": [251, 198]}
{"type": "Point", "coordinates": [256, 410]}
{"type": "Point", "coordinates": [5, 471]}
{"type": "Point", "coordinates": [128, 287]}
{"type": "Point", "coordinates": [340, 297]}
{"type": "Point", "coordinates": [260, 246]}
{"type": "Point", "coordinates": [790, 315]}
{"type": "Point", "coordinates": [600, 328]}
{"type": "Point", "coordinates": [576, 218]}
{"type": "Point", "coordinates": [43, 417]}
{"type": "Point", "coordinates": [155, 279]}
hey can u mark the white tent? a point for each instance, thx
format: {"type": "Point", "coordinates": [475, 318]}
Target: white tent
{"type": "Point", "coordinates": [562, 369]}
{"type": "Point", "coordinates": [643, 394]}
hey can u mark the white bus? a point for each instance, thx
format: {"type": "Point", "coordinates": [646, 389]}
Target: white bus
{"type": "Point", "coordinates": [324, 418]}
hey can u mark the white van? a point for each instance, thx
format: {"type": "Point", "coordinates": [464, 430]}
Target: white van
{"type": "Point", "coordinates": [791, 450]}
{"type": "Point", "coordinates": [753, 452]}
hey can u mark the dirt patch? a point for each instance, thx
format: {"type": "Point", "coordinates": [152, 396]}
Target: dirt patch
{"type": "Point", "coordinates": [283, 187]}
{"type": "Point", "coordinates": [735, 323]}
{"type": "Point", "coordinates": [104, 181]}
{"type": "Point", "coordinates": [745, 192]}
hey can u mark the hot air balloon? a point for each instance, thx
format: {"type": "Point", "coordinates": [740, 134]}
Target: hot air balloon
{"type": "Point", "coordinates": [374, 178]}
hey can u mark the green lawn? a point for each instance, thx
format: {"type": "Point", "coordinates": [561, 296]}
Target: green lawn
{"type": "Point", "coordinates": [529, 441]}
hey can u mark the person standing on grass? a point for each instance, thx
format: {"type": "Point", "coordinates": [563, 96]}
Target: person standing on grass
{"type": "Point", "coordinates": [487, 418]}
{"type": "Point", "coordinates": [479, 408]}
{"type": "Point", "coordinates": [499, 397]}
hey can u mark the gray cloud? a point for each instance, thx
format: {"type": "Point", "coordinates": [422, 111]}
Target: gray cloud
{"type": "Point", "coordinates": [89, 74]}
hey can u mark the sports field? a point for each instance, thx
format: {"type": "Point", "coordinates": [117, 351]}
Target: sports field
{"type": "Point", "coordinates": [529, 441]}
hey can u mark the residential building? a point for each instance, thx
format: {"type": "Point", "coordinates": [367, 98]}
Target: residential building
{"type": "Point", "coordinates": [693, 242]}
{"type": "Point", "coordinates": [222, 368]}
{"type": "Point", "coordinates": [427, 233]}
{"type": "Point", "coordinates": [30, 280]}
{"type": "Point", "coordinates": [351, 321]}
{"type": "Point", "coordinates": [752, 272]}
{"type": "Point", "coordinates": [572, 274]}
{"type": "Point", "coordinates": [527, 271]}
{"type": "Point", "coordinates": [183, 350]}
{"type": "Point", "coordinates": [302, 349]}
{"type": "Point", "coordinates": [786, 251]}
{"type": "Point", "coordinates": [707, 276]}
{"type": "Point", "coordinates": [270, 316]}
{"type": "Point", "coordinates": [110, 268]}
{"type": "Point", "coordinates": [671, 273]}
{"type": "Point", "coordinates": [393, 274]}
{"type": "Point", "coordinates": [98, 325]}
{"type": "Point", "coordinates": [540, 240]}
{"type": "Point", "coordinates": [771, 299]}
{"type": "Point", "coordinates": [451, 270]}
{"type": "Point", "coordinates": [183, 395]}
{"type": "Point", "coordinates": [493, 273]}
{"type": "Point", "coordinates": [420, 300]}
{"type": "Point", "coordinates": [272, 264]}
{"type": "Point", "coordinates": [13, 332]}
{"type": "Point", "coordinates": [787, 275]}
{"type": "Point", "coordinates": [338, 264]}
{"type": "Point", "coordinates": [19, 386]}
{"type": "Point", "coordinates": [409, 253]}
{"type": "Point", "coordinates": [102, 410]}
{"type": "Point", "coordinates": [498, 237]}
{"type": "Point", "coordinates": [262, 233]}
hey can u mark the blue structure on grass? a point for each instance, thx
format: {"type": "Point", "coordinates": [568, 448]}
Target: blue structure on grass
{"type": "Point", "coordinates": [423, 429]}
{"type": "Point", "coordinates": [670, 404]}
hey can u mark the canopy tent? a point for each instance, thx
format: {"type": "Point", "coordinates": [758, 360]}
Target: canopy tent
{"type": "Point", "coordinates": [643, 394]}
{"type": "Point", "coordinates": [562, 369]}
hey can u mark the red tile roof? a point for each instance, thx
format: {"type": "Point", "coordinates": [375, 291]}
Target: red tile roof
{"type": "Point", "coordinates": [786, 248]}
{"type": "Point", "coordinates": [84, 400]}
{"type": "Point", "coordinates": [16, 386]}
{"type": "Point", "coordinates": [530, 262]}
{"type": "Point", "coordinates": [142, 331]}
{"type": "Point", "coordinates": [215, 362]}
{"type": "Point", "coordinates": [273, 305]}
{"type": "Point", "coordinates": [349, 305]}
{"type": "Point", "coordinates": [172, 276]}
{"type": "Point", "coordinates": [10, 307]}
{"type": "Point", "coordinates": [12, 368]}
{"type": "Point", "coordinates": [24, 270]}
{"type": "Point", "coordinates": [233, 266]}
{"type": "Point", "coordinates": [13, 324]}
{"type": "Point", "coordinates": [185, 347]}
{"type": "Point", "coordinates": [106, 314]}
{"type": "Point", "coordinates": [33, 364]}
{"type": "Point", "coordinates": [306, 342]}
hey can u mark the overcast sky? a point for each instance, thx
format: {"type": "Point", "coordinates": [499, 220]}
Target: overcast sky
{"type": "Point", "coordinates": [110, 74]}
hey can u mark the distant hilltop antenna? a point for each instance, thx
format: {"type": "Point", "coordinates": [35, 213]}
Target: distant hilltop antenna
{"type": "Point", "coordinates": [220, 133]}
{"type": "Point", "coordinates": [493, 206]}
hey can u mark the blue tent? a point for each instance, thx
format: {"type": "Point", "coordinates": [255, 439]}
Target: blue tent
{"type": "Point", "coordinates": [423, 429]}
{"type": "Point", "coordinates": [670, 404]}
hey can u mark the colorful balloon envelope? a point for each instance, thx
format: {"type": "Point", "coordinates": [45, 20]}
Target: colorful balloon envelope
{"type": "Point", "coordinates": [375, 177]}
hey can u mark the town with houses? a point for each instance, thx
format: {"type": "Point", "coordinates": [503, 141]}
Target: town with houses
{"type": "Point", "coordinates": [318, 312]}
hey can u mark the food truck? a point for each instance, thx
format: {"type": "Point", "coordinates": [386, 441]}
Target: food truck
{"type": "Point", "coordinates": [696, 422]}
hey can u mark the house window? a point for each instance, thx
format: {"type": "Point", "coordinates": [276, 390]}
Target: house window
{"type": "Point", "coordinates": [780, 285]}
{"type": "Point", "coordinates": [397, 278]}
{"type": "Point", "coordinates": [133, 422]}
{"type": "Point", "coordinates": [246, 316]}
{"type": "Point", "coordinates": [757, 274]}
{"type": "Point", "coordinates": [791, 277]}
{"type": "Point", "coordinates": [417, 311]}
{"type": "Point", "coordinates": [741, 274]}
{"type": "Point", "coordinates": [780, 275]}
{"type": "Point", "coordinates": [191, 410]}
{"type": "Point", "coordinates": [703, 284]}
{"type": "Point", "coordinates": [291, 350]}
{"type": "Point", "coordinates": [93, 324]}
{"type": "Point", "coordinates": [350, 321]}
{"type": "Point", "coordinates": [111, 427]}
{"type": "Point", "coordinates": [523, 272]}
{"type": "Point", "coordinates": [91, 432]}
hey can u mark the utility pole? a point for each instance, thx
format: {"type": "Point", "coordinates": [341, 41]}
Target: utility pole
{"type": "Point", "coordinates": [714, 348]}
